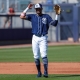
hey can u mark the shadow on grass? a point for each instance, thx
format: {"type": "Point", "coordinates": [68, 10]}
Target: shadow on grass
{"type": "Point", "coordinates": [63, 76]}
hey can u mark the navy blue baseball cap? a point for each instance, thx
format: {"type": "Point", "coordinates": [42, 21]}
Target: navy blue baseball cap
{"type": "Point", "coordinates": [38, 5]}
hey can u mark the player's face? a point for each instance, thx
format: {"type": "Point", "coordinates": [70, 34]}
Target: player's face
{"type": "Point", "coordinates": [39, 11]}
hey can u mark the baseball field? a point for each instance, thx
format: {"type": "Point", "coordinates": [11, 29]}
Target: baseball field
{"type": "Point", "coordinates": [17, 63]}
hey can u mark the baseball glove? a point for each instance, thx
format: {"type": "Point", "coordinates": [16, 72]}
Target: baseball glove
{"type": "Point", "coordinates": [57, 9]}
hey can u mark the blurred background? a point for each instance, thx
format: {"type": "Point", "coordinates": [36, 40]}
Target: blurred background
{"type": "Point", "coordinates": [14, 30]}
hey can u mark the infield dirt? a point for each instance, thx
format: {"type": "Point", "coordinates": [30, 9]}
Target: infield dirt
{"type": "Point", "coordinates": [29, 68]}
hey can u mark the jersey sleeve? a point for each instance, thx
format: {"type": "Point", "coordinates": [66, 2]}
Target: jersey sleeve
{"type": "Point", "coordinates": [52, 22]}
{"type": "Point", "coordinates": [29, 17]}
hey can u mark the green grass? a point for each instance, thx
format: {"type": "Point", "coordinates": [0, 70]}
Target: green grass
{"type": "Point", "coordinates": [64, 54]}
{"type": "Point", "coordinates": [16, 55]}
{"type": "Point", "coordinates": [32, 77]}
{"type": "Point", "coordinates": [55, 54]}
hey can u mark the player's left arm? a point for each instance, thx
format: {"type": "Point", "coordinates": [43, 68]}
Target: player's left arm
{"type": "Point", "coordinates": [57, 10]}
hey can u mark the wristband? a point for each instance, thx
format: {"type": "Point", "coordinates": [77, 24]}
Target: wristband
{"type": "Point", "coordinates": [25, 10]}
{"type": "Point", "coordinates": [56, 18]}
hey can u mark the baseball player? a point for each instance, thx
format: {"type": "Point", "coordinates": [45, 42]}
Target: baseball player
{"type": "Point", "coordinates": [40, 25]}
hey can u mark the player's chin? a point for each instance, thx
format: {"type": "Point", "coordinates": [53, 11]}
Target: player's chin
{"type": "Point", "coordinates": [38, 13]}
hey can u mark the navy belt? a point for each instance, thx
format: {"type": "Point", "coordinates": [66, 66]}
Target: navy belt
{"type": "Point", "coordinates": [39, 35]}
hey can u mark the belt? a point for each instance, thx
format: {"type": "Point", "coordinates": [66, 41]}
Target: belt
{"type": "Point", "coordinates": [39, 35]}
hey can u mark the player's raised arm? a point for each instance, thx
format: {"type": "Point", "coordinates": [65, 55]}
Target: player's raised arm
{"type": "Point", "coordinates": [23, 14]}
{"type": "Point", "coordinates": [57, 9]}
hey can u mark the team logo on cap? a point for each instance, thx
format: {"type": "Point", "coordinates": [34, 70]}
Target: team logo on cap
{"type": "Point", "coordinates": [37, 6]}
{"type": "Point", "coordinates": [44, 20]}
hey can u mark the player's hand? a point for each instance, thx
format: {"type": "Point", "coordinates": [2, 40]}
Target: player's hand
{"type": "Point", "coordinates": [57, 9]}
{"type": "Point", "coordinates": [22, 15]}
{"type": "Point", "coordinates": [30, 6]}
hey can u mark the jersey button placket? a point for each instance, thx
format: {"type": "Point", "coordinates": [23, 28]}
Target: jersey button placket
{"type": "Point", "coordinates": [39, 26]}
